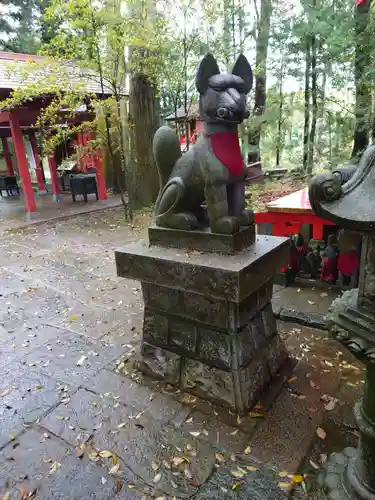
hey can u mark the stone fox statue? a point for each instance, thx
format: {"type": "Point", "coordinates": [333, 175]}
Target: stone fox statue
{"type": "Point", "coordinates": [213, 169]}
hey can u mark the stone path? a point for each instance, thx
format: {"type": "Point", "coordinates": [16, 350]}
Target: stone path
{"type": "Point", "coordinates": [71, 428]}
{"type": "Point", "coordinates": [77, 419]}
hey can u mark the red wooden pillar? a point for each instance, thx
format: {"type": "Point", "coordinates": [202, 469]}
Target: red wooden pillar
{"type": "Point", "coordinates": [38, 164]}
{"type": "Point", "coordinates": [56, 190]}
{"type": "Point", "coordinates": [23, 165]}
{"type": "Point", "coordinates": [8, 158]}
{"type": "Point", "coordinates": [100, 177]}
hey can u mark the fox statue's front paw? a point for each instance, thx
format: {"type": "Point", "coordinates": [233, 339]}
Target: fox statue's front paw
{"type": "Point", "coordinates": [184, 221]}
{"type": "Point", "coordinates": [246, 218]}
{"type": "Point", "coordinates": [226, 225]}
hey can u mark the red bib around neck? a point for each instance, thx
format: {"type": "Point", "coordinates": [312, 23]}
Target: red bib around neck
{"type": "Point", "coordinates": [226, 147]}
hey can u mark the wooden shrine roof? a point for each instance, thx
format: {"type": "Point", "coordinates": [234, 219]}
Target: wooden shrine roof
{"type": "Point", "coordinates": [11, 73]}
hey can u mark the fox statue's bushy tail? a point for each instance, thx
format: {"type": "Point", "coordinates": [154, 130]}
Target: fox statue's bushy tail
{"type": "Point", "coordinates": [167, 150]}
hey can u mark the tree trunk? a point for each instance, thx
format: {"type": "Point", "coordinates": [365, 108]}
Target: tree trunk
{"type": "Point", "coordinates": [363, 94]}
{"type": "Point", "coordinates": [280, 118]}
{"type": "Point", "coordinates": [260, 79]}
{"type": "Point", "coordinates": [306, 127]}
{"type": "Point", "coordinates": [144, 121]}
{"type": "Point", "coordinates": [314, 95]}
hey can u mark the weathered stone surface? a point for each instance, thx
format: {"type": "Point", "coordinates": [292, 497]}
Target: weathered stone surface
{"type": "Point", "coordinates": [183, 335]}
{"type": "Point", "coordinates": [257, 485]}
{"type": "Point", "coordinates": [208, 382]}
{"type": "Point", "coordinates": [27, 399]}
{"type": "Point", "coordinates": [154, 405]}
{"type": "Point", "coordinates": [312, 319]}
{"type": "Point", "coordinates": [269, 321]}
{"type": "Point", "coordinates": [215, 348]}
{"type": "Point", "coordinates": [60, 356]}
{"type": "Point", "coordinates": [155, 328]}
{"type": "Point", "coordinates": [93, 322]}
{"type": "Point", "coordinates": [161, 363]}
{"type": "Point", "coordinates": [202, 240]}
{"type": "Point", "coordinates": [162, 297]}
{"type": "Point", "coordinates": [49, 466]}
{"type": "Point", "coordinates": [31, 308]}
{"type": "Point", "coordinates": [138, 441]}
{"type": "Point", "coordinates": [252, 380]}
{"type": "Point", "coordinates": [231, 277]}
{"type": "Point", "coordinates": [277, 354]}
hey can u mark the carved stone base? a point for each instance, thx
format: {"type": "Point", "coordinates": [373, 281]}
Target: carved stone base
{"type": "Point", "coordinates": [208, 321]}
{"type": "Point", "coordinates": [340, 479]}
{"type": "Point", "coordinates": [202, 240]}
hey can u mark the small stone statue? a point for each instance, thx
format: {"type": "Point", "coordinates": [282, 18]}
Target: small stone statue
{"type": "Point", "coordinates": [213, 170]}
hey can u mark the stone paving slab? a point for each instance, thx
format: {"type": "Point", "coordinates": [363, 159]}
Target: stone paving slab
{"type": "Point", "coordinates": [93, 322]}
{"type": "Point", "coordinates": [152, 404]}
{"type": "Point", "coordinates": [26, 399]}
{"type": "Point", "coordinates": [31, 307]}
{"type": "Point", "coordinates": [10, 284]}
{"type": "Point", "coordinates": [71, 358]}
{"type": "Point", "coordinates": [108, 424]}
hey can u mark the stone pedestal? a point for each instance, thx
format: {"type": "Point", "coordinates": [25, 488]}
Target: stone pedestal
{"type": "Point", "coordinates": [208, 322]}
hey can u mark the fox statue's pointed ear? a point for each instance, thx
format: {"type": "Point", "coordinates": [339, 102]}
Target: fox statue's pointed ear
{"type": "Point", "coordinates": [207, 68]}
{"type": "Point", "coordinates": [242, 68]}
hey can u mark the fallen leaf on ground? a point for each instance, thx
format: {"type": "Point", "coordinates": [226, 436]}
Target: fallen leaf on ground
{"type": "Point", "coordinates": [293, 379]}
{"type": "Point", "coordinates": [321, 433]}
{"type": "Point", "coordinates": [285, 486]}
{"type": "Point", "coordinates": [103, 480]}
{"type": "Point", "coordinates": [176, 461]}
{"type": "Point", "coordinates": [6, 496]}
{"type": "Point", "coordinates": [220, 458]}
{"type": "Point", "coordinates": [161, 498]}
{"type": "Point", "coordinates": [236, 485]}
{"type": "Point", "coordinates": [238, 473]}
{"type": "Point", "coordinates": [79, 452]}
{"type": "Point", "coordinates": [54, 467]}
{"type": "Point", "coordinates": [314, 464]}
{"type": "Point", "coordinates": [114, 469]}
{"type": "Point", "coordinates": [234, 432]}
{"type": "Point", "coordinates": [283, 474]}
{"type": "Point", "coordinates": [297, 479]}
{"type": "Point", "coordinates": [81, 360]}
{"type": "Point", "coordinates": [187, 473]}
{"type": "Point", "coordinates": [195, 433]}
{"type": "Point", "coordinates": [256, 415]}
{"type": "Point", "coordinates": [248, 450]}
{"type": "Point", "coordinates": [73, 318]}
{"type": "Point", "coordinates": [331, 404]}
{"type": "Point", "coordinates": [157, 478]}
{"type": "Point", "coordinates": [324, 294]}
{"type": "Point", "coordinates": [2, 394]}
{"type": "Point", "coordinates": [105, 454]}
{"type": "Point", "coordinates": [252, 468]}
{"type": "Point", "coordinates": [311, 303]}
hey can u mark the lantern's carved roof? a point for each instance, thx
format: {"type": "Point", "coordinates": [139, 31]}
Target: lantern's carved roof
{"type": "Point", "coordinates": [350, 205]}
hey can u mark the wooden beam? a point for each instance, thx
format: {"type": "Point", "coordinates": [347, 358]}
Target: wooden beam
{"type": "Point", "coordinates": [23, 165]}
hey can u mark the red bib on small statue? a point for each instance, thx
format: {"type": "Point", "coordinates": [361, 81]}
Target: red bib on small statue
{"type": "Point", "coordinates": [226, 147]}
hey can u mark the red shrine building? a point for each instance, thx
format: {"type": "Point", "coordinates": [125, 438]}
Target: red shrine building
{"type": "Point", "coordinates": [20, 123]}
{"type": "Point", "coordinates": [189, 125]}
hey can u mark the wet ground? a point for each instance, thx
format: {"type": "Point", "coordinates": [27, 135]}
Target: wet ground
{"type": "Point", "coordinates": [79, 422]}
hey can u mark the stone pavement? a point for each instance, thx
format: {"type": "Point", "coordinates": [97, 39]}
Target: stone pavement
{"type": "Point", "coordinates": [13, 214]}
{"type": "Point", "coordinates": [72, 428]}
{"type": "Point", "coordinates": [306, 302]}
{"type": "Point", "coordinates": [78, 421]}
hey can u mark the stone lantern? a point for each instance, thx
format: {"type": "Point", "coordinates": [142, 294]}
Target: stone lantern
{"type": "Point", "coordinates": [350, 203]}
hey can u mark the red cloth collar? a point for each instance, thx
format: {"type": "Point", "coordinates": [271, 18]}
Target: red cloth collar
{"type": "Point", "coordinates": [226, 147]}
